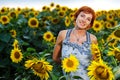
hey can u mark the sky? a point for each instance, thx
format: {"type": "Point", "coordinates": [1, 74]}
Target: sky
{"type": "Point", "coordinates": [38, 4]}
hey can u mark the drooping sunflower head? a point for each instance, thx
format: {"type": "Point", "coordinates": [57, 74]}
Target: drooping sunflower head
{"type": "Point", "coordinates": [41, 68]}
{"type": "Point", "coordinates": [29, 63]}
{"type": "Point", "coordinates": [116, 34]}
{"type": "Point", "coordinates": [16, 55]}
{"type": "Point", "coordinates": [100, 71]}
{"type": "Point", "coordinates": [13, 33]}
{"type": "Point", "coordinates": [5, 19]}
{"type": "Point", "coordinates": [48, 36]}
{"type": "Point", "coordinates": [70, 64]}
{"type": "Point", "coordinates": [33, 22]}
{"type": "Point", "coordinates": [115, 52]}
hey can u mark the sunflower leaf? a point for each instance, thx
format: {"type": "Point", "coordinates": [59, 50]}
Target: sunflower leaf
{"type": "Point", "coordinates": [77, 77]}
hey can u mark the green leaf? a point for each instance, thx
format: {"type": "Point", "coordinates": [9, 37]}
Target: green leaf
{"type": "Point", "coordinates": [5, 37]}
{"type": "Point", "coordinates": [62, 78]}
{"type": "Point", "coordinates": [116, 71]}
{"type": "Point", "coordinates": [53, 76]}
{"type": "Point", "coordinates": [2, 45]}
{"type": "Point", "coordinates": [30, 49]}
{"type": "Point", "coordinates": [77, 77]}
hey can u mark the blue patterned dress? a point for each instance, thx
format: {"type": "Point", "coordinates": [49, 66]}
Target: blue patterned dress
{"type": "Point", "coordinates": [82, 52]}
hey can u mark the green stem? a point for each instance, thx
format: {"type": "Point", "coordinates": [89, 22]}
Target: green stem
{"type": "Point", "coordinates": [115, 63]}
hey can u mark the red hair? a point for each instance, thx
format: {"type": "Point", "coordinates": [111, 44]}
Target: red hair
{"type": "Point", "coordinates": [85, 9]}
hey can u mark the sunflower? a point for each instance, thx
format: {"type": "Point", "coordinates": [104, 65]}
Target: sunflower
{"type": "Point", "coordinates": [36, 13]}
{"type": "Point", "coordinates": [15, 44]}
{"type": "Point", "coordinates": [67, 21]}
{"type": "Point", "coordinates": [112, 42]}
{"type": "Point", "coordinates": [95, 52]}
{"type": "Point", "coordinates": [61, 13]}
{"type": "Point", "coordinates": [64, 8]}
{"type": "Point", "coordinates": [70, 64]}
{"type": "Point", "coordinates": [16, 55]}
{"type": "Point", "coordinates": [55, 20]}
{"type": "Point", "coordinates": [116, 34]}
{"type": "Point", "coordinates": [33, 22]}
{"type": "Point", "coordinates": [13, 33]}
{"type": "Point", "coordinates": [39, 67]}
{"type": "Point", "coordinates": [44, 8]}
{"type": "Point", "coordinates": [109, 17]}
{"type": "Point", "coordinates": [13, 14]}
{"type": "Point", "coordinates": [18, 10]}
{"type": "Point", "coordinates": [108, 24]}
{"type": "Point", "coordinates": [57, 7]}
{"type": "Point", "coordinates": [52, 4]}
{"type": "Point", "coordinates": [3, 10]}
{"type": "Point", "coordinates": [115, 52]}
{"type": "Point", "coordinates": [97, 26]}
{"type": "Point", "coordinates": [71, 15]}
{"type": "Point", "coordinates": [5, 19]}
{"type": "Point", "coordinates": [53, 40]}
{"type": "Point", "coordinates": [100, 71]}
{"type": "Point", "coordinates": [29, 63]}
{"type": "Point", "coordinates": [48, 36]}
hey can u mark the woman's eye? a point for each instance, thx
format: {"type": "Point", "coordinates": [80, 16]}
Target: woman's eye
{"type": "Point", "coordinates": [82, 15]}
{"type": "Point", "coordinates": [89, 19]}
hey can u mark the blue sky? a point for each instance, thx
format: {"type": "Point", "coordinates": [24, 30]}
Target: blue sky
{"type": "Point", "coordinates": [37, 4]}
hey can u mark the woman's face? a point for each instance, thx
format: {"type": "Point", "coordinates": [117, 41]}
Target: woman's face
{"type": "Point", "coordinates": [83, 20]}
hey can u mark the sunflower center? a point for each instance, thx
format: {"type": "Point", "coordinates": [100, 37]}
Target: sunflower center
{"type": "Point", "coordinates": [101, 72]}
{"type": "Point", "coordinates": [112, 41]}
{"type": "Point", "coordinates": [97, 25]}
{"type": "Point", "coordinates": [2, 10]}
{"type": "Point", "coordinates": [61, 14]}
{"type": "Point", "coordinates": [117, 55]}
{"type": "Point", "coordinates": [39, 67]}
{"type": "Point", "coordinates": [69, 63]}
{"type": "Point", "coordinates": [33, 22]}
{"type": "Point", "coordinates": [17, 55]}
{"type": "Point", "coordinates": [55, 20]}
{"type": "Point", "coordinates": [4, 19]}
{"type": "Point", "coordinates": [48, 36]}
{"type": "Point", "coordinates": [117, 33]}
{"type": "Point", "coordinates": [13, 14]}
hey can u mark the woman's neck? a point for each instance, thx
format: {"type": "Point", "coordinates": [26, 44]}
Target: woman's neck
{"type": "Point", "coordinates": [79, 31]}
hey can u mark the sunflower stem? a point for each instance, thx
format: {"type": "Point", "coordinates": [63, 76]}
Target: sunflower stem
{"type": "Point", "coordinates": [114, 61]}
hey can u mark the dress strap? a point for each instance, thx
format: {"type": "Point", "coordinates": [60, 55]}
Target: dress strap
{"type": "Point", "coordinates": [68, 34]}
{"type": "Point", "coordinates": [88, 37]}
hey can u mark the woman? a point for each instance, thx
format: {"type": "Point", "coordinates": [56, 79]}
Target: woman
{"type": "Point", "coordinates": [77, 41]}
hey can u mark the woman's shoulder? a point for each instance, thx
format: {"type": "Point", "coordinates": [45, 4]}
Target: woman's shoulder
{"type": "Point", "coordinates": [62, 34]}
{"type": "Point", "coordinates": [93, 38]}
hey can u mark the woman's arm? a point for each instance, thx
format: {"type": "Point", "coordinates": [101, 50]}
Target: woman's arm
{"type": "Point", "coordinates": [57, 48]}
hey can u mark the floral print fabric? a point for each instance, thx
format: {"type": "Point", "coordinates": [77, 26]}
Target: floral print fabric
{"type": "Point", "coordinates": [82, 52]}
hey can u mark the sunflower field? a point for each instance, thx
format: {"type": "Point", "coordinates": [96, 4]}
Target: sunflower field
{"type": "Point", "coordinates": [28, 36]}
